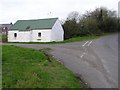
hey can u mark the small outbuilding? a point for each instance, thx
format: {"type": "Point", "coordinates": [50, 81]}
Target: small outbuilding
{"type": "Point", "coordinates": [40, 30]}
{"type": "Point", "coordinates": [4, 28]}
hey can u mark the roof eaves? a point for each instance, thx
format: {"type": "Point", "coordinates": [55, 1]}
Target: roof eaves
{"type": "Point", "coordinates": [40, 28]}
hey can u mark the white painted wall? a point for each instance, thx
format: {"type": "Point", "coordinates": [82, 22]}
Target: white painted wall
{"type": "Point", "coordinates": [11, 37]}
{"type": "Point", "coordinates": [24, 36]}
{"type": "Point", "coordinates": [57, 32]}
{"type": "Point", "coordinates": [30, 36]}
{"type": "Point", "coordinates": [45, 35]}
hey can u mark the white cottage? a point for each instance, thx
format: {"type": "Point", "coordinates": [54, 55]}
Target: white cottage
{"type": "Point", "coordinates": [40, 30]}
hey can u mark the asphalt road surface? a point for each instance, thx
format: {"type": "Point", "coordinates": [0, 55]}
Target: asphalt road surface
{"type": "Point", "coordinates": [95, 61]}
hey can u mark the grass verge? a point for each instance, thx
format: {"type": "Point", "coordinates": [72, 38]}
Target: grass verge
{"type": "Point", "coordinates": [29, 68]}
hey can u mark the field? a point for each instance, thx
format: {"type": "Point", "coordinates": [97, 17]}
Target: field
{"type": "Point", "coordinates": [29, 68]}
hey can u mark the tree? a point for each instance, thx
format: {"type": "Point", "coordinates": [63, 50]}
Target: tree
{"type": "Point", "coordinates": [70, 28]}
{"type": "Point", "coordinates": [74, 16]}
{"type": "Point", "coordinates": [71, 25]}
{"type": "Point", "coordinates": [96, 22]}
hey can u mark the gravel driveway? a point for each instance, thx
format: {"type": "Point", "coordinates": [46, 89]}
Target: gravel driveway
{"type": "Point", "coordinates": [96, 61]}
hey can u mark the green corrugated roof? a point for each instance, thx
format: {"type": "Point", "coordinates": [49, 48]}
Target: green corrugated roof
{"type": "Point", "coordinates": [34, 24]}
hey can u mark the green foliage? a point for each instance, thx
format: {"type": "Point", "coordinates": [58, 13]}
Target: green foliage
{"type": "Point", "coordinates": [90, 27]}
{"type": "Point", "coordinates": [4, 38]}
{"type": "Point", "coordinates": [70, 28]}
{"type": "Point", "coordinates": [96, 22]}
{"type": "Point", "coordinates": [29, 68]}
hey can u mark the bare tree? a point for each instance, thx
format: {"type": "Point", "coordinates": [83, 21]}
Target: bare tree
{"type": "Point", "coordinates": [74, 16]}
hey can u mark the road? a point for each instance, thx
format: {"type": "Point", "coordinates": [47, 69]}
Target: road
{"type": "Point", "coordinates": [95, 61]}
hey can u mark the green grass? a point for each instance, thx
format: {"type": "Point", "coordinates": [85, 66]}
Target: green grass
{"type": "Point", "coordinates": [29, 68]}
{"type": "Point", "coordinates": [81, 38]}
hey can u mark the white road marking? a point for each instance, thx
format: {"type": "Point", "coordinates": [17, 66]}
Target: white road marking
{"type": "Point", "coordinates": [82, 55]}
{"type": "Point", "coordinates": [85, 49]}
{"type": "Point", "coordinates": [89, 43]}
{"type": "Point", "coordinates": [84, 43]}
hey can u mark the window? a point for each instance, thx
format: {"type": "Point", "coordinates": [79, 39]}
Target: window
{"type": "Point", "coordinates": [39, 34]}
{"type": "Point", "coordinates": [15, 35]}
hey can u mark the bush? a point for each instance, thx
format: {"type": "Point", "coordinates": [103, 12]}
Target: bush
{"type": "Point", "coordinates": [4, 38]}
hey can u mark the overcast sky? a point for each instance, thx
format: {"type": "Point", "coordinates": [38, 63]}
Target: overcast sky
{"type": "Point", "coordinates": [13, 10]}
